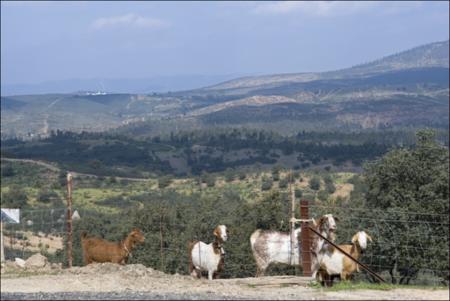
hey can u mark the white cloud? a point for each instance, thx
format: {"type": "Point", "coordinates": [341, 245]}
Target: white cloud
{"type": "Point", "coordinates": [129, 20]}
{"type": "Point", "coordinates": [326, 8]}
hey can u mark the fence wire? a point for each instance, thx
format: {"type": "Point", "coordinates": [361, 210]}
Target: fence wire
{"type": "Point", "coordinates": [407, 247]}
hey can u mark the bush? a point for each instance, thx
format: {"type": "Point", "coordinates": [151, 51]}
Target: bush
{"type": "Point", "coordinates": [314, 183]}
{"type": "Point", "coordinates": [323, 195]}
{"type": "Point", "coordinates": [329, 185]}
{"type": "Point", "coordinates": [283, 183]}
{"type": "Point", "coordinates": [210, 181]}
{"type": "Point", "coordinates": [266, 184]}
{"type": "Point", "coordinates": [164, 181]}
{"type": "Point", "coordinates": [7, 171]}
{"type": "Point", "coordinates": [47, 196]}
{"type": "Point", "coordinates": [229, 175]}
{"type": "Point", "coordinates": [298, 193]}
{"type": "Point", "coordinates": [14, 198]}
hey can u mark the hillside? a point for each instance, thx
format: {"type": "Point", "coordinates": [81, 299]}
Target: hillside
{"type": "Point", "coordinates": [408, 89]}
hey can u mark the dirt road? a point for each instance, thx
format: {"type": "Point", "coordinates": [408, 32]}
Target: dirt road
{"type": "Point", "coordinates": [139, 282]}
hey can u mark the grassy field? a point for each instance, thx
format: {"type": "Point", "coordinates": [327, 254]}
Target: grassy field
{"type": "Point", "coordinates": [93, 193]}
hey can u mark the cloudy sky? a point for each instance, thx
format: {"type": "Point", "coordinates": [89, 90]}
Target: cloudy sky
{"type": "Point", "coordinates": [43, 41]}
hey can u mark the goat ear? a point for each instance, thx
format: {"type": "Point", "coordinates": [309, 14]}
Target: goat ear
{"type": "Point", "coordinates": [355, 238]}
{"type": "Point", "coordinates": [322, 220]}
{"type": "Point", "coordinates": [368, 237]}
{"type": "Point", "coordinates": [336, 219]}
{"type": "Point", "coordinates": [314, 222]}
{"type": "Point", "coordinates": [216, 232]}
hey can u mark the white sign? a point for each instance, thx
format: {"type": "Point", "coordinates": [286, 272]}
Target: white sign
{"type": "Point", "coordinates": [11, 216]}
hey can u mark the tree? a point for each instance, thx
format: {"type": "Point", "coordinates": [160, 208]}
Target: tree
{"type": "Point", "coordinates": [410, 187]}
{"type": "Point", "coordinates": [314, 183]}
{"type": "Point", "coordinates": [266, 183]}
{"type": "Point", "coordinates": [283, 183]}
{"type": "Point", "coordinates": [329, 185]}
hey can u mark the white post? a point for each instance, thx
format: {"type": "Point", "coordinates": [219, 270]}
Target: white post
{"type": "Point", "coordinates": [292, 219]}
{"type": "Point", "coordinates": [2, 246]}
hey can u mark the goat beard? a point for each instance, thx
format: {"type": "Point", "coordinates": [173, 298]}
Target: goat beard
{"type": "Point", "coordinates": [332, 236]}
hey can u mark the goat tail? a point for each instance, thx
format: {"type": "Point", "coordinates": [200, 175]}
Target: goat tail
{"type": "Point", "coordinates": [191, 245]}
{"type": "Point", "coordinates": [83, 235]}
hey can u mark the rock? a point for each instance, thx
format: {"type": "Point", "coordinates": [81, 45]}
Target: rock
{"type": "Point", "coordinates": [36, 261]}
{"type": "Point", "coordinates": [20, 262]}
{"type": "Point", "coordinates": [56, 266]}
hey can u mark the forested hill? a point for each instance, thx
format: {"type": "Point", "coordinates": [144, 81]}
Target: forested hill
{"type": "Point", "coordinates": [194, 153]}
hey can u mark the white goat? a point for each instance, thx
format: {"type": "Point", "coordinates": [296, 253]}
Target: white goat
{"type": "Point", "coordinates": [327, 227]}
{"type": "Point", "coordinates": [334, 262]}
{"type": "Point", "coordinates": [270, 246]}
{"type": "Point", "coordinates": [208, 257]}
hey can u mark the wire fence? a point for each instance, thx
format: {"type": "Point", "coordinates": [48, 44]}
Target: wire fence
{"type": "Point", "coordinates": [407, 248]}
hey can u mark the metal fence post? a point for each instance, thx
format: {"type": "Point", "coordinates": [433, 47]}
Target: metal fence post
{"type": "Point", "coordinates": [305, 239]}
{"type": "Point", "coordinates": [69, 220]}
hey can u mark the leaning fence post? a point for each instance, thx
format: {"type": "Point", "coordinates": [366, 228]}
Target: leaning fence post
{"type": "Point", "coordinates": [305, 237]}
{"type": "Point", "coordinates": [69, 220]}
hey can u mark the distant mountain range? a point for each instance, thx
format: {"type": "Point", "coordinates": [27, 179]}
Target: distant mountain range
{"type": "Point", "coordinates": [407, 89]}
{"type": "Point", "coordinates": [118, 85]}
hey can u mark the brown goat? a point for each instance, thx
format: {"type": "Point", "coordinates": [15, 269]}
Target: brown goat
{"type": "Point", "coordinates": [100, 250]}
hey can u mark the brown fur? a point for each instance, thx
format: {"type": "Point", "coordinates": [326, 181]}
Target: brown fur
{"type": "Point", "coordinates": [100, 250]}
{"type": "Point", "coordinates": [349, 266]}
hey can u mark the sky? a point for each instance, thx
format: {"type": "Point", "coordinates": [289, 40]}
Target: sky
{"type": "Point", "coordinates": [45, 41]}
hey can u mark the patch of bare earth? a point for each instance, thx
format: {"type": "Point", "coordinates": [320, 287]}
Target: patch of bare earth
{"type": "Point", "coordinates": [34, 243]}
{"type": "Point", "coordinates": [115, 278]}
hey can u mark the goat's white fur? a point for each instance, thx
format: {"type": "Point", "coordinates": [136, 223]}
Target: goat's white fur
{"type": "Point", "coordinates": [321, 246]}
{"type": "Point", "coordinates": [275, 247]}
{"type": "Point", "coordinates": [203, 256]}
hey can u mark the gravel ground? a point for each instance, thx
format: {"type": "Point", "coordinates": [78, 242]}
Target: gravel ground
{"type": "Point", "coordinates": [114, 296]}
{"type": "Point", "coordinates": [136, 282]}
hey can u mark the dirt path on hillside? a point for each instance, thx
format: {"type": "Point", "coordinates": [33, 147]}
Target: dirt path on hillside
{"type": "Point", "coordinates": [55, 168]}
{"type": "Point", "coordinates": [104, 278]}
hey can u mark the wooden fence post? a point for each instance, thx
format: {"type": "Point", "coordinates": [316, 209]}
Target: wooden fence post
{"type": "Point", "coordinates": [69, 220]}
{"type": "Point", "coordinates": [305, 239]}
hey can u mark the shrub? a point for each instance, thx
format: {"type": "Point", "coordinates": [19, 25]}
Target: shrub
{"type": "Point", "coordinates": [14, 198]}
{"type": "Point", "coordinates": [283, 183]}
{"type": "Point", "coordinates": [314, 183]}
{"type": "Point", "coordinates": [323, 195]}
{"type": "Point", "coordinates": [266, 184]}
{"type": "Point", "coordinates": [47, 196]}
{"type": "Point", "coordinates": [164, 181]}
